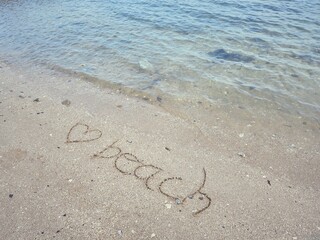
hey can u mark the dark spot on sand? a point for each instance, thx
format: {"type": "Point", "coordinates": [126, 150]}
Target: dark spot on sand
{"type": "Point", "coordinates": [36, 100]}
{"type": "Point", "coordinates": [92, 180]}
{"type": "Point", "coordinates": [48, 185]}
{"type": "Point", "coordinates": [57, 231]}
{"type": "Point", "coordinates": [20, 96]}
{"type": "Point", "coordinates": [159, 99]}
{"type": "Point", "coordinates": [10, 195]}
{"type": "Point", "coordinates": [268, 181]}
{"type": "Point", "coordinates": [66, 102]}
{"type": "Point", "coordinates": [58, 147]}
{"type": "Point", "coordinates": [289, 187]}
{"type": "Point", "coordinates": [168, 149]}
{"type": "Point", "coordinates": [201, 198]}
{"type": "Point", "coordinates": [119, 106]}
{"type": "Point", "coordinates": [64, 215]}
{"type": "Point", "coordinates": [42, 232]}
{"type": "Point", "coordinates": [251, 88]}
{"type": "Point", "coordinates": [304, 123]}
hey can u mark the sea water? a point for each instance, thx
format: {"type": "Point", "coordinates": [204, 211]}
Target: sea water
{"type": "Point", "coordinates": [267, 51]}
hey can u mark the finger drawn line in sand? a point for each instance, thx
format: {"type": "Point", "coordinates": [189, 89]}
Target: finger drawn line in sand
{"type": "Point", "coordinates": [129, 164]}
{"type": "Point", "coordinates": [86, 134]}
{"type": "Point", "coordinates": [189, 196]}
{"type": "Point", "coordinates": [147, 179]}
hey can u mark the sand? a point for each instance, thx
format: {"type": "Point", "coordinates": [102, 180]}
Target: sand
{"type": "Point", "coordinates": [79, 162]}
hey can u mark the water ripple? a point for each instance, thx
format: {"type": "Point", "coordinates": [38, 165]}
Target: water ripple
{"type": "Point", "coordinates": [269, 50]}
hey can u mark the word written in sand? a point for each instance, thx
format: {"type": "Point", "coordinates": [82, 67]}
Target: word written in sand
{"type": "Point", "coordinates": [129, 164]}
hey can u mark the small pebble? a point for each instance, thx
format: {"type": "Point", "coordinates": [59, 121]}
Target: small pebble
{"type": "Point", "coordinates": [178, 201]}
{"type": "Point", "coordinates": [241, 135]}
{"type": "Point", "coordinates": [120, 232]}
{"type": "Point", "coordinates": [153, 235]}
{"type": "Point", "coordinates": [36, 100]}
{"type": "Point", "coordinates": [66, 102]}
{"type": "Point", "coordinates": [168, 205]}
{"type": "Point", "coordinates": [10, 195]}
{"type": "Point", "coordinates": [241, 154]}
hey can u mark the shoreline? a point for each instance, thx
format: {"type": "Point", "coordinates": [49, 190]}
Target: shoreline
{"type": "Point", "coordinates": [261, 174]}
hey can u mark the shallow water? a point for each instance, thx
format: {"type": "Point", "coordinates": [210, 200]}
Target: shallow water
{"type": "Point", "coordinates": [199, 50]}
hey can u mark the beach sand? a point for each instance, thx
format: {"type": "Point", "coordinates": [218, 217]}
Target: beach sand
{"type": "Point", "coordinates": [79, 162]}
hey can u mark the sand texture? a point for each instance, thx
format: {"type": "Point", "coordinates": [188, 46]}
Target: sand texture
{"type": "Point", "coordinates": [78, 162]}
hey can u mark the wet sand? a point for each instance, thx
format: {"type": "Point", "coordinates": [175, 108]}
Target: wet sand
{"type": "Point", "coordinates": [81, 162]}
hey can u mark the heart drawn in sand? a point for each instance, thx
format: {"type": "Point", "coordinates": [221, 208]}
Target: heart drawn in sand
{"type": "Point", "coordinates": [82, 133]}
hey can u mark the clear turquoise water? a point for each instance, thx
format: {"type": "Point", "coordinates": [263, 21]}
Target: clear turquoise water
{"type": "Point", "coordinates": [267, 50]}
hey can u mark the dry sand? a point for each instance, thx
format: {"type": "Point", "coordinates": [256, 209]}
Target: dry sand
{"type": "Point", "coordinates": [189, 172]}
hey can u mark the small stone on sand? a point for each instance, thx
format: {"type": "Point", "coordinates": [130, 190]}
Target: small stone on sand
{"type": "Point", "coordinates": [168, 205]}
{"type": "Point", "coordinates": [241, 154]}
{"type": "Point", "coordinates": [66, 102]}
